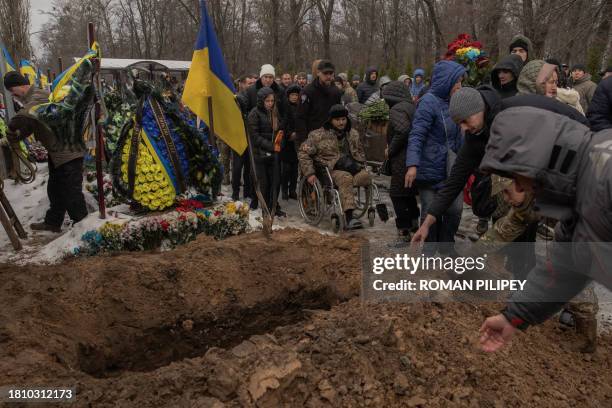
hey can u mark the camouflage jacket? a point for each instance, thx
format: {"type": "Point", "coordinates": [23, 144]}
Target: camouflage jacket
{"type": "Point", "coordinates": [323, 148]}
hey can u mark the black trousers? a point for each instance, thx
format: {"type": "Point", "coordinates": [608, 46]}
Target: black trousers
{"type": "Point", "coordinates": [241, 169]}
{"type": "Point", "coordinates": [289, 176]}
{"type": "Point", "coordinates": [265, 176]}
{"type": "Point", "coordinates": [65, 191]}
{"type": "Point", "coordinates": [406, 212]}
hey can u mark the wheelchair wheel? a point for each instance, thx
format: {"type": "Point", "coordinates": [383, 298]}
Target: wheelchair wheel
{"type": "Point", "coordinates": [311, 202]}
{"type": "Point", "coordinates": [362, 201]}
{"type": "Point", "coordinates": [371, 216]}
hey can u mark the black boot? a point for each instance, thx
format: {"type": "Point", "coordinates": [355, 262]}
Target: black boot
{"type": "Point", "coordinates": [43, 226]}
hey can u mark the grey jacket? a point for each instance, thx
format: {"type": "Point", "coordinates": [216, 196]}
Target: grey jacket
{"type": "Point", "coordinates": [572, 170]}
{"type": "Point", "coordinates": [586, 88]}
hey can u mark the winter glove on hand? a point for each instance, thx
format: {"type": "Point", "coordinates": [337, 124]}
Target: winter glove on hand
{"type": "Point", "coordinates": [278, 140]}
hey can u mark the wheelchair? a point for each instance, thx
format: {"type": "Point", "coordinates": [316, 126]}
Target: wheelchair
{"type": "Point", "coordinates": [323, 199]}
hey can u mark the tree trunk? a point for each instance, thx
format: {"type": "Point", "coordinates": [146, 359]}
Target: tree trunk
{"type": "Point", "coordinates": [431, 9]}
{"type": "Point", "coordinates": [326, 10]}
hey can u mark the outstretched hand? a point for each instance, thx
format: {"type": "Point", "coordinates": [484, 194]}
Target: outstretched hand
{"type": "Point", "coordinates": [495, 333]}
{"type": "Point", "coordinates": [421, 235]}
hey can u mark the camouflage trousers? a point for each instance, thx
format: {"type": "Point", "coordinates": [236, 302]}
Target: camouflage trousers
{"type": "Point", "coordinates": [511, 225]}
{"type": "Point", "coordinates": [225, 157]}
{"type": "Point", "coordinates": [585, 306]}
{"type": "Point", "coordinates": [345, 183]}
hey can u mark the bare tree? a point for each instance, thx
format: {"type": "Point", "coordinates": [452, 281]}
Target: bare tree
{"type": "Point", "coordinates": [326, 11]}
{"type": "Point", "coordinates": [391, 34]}
{"type": "Point", "coordinates": [14, 30]}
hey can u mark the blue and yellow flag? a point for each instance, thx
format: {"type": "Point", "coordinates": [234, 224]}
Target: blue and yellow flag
{"type": "Point", "coordinates": [208, 76]}
{"type": "Point", "coordinates": [28, 71]}
{"type": "Point", "coordinates": [43, 79]}
{"type": "Point", "coordinates": [58, 92]}
{"type": "Point", "coordinates": [10, 65]}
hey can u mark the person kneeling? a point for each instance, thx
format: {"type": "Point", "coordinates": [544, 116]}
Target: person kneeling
{"type": "Point", "coordinates": [337, 147]}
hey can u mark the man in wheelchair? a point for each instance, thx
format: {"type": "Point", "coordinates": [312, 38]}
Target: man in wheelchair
{"type": "Point", "coordinates": [337, 147]}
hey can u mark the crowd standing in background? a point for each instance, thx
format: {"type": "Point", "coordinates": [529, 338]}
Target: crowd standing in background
{"type": "Point", "coordinates": [437, 139]}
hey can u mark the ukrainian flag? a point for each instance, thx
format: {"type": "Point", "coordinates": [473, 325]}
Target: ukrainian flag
{"type": "Point", "coordinates": [208, 76]}
{"type": "Point", "coordinates": [10, 65]}
{"type": "Point", "coordinates": [44, 81]}
{"type": "Point", "coordinates": [27, 70]}
{"type": "Point", "coordinates": [64, 78]}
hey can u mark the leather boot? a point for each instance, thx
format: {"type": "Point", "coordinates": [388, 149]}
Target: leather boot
{"type": "Point", "coordinates": [587, 332]}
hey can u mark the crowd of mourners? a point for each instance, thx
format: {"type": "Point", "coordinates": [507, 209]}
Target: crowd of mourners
{"type": "Point", "coordinates": [529, 147]}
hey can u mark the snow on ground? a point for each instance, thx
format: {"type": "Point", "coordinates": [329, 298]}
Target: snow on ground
{"type": "Point", "coordinates": [30, 202]}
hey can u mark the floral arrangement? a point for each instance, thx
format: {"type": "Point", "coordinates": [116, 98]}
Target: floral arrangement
{"type": "Point", "coordinates": [160, 176]}
{"type": "Point", "coordinates": [471, 55]}
{"type": "Point", "coordinates": [153, 188]}
{"type": "Point", "coordinates": [376, 112]}
{"type": "Point", "coordinates": [3, 128]}
{"type": "Point", "coordinates": [91, 185]}
{"type": "Point", "coordinates": [169, 230]}
{"type": "Point", "coordinates": [119, 113]}
{"type": "Point", "coordinates": [31, 147]}
{"type": "Point", "coordinates": [36, 151]}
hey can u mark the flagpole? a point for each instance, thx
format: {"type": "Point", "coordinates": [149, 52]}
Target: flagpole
{"type": "Point", "coordinates": [96, 130]}
{"type": "Point", "coordinates": [212, 138]}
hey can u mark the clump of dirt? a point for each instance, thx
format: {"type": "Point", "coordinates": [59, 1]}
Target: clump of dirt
{"type": "Point", "coordinates": [253, 321]}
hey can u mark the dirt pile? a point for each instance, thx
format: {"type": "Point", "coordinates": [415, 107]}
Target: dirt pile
{"type": "Point", "coordinates": [256, 322]}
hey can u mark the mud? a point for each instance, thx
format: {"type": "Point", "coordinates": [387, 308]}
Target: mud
{"type": "Point", "coordinates": [252, 321]}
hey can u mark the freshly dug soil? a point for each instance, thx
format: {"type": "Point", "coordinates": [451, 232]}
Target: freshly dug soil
{"type": "Point", "coordinates": [252, 321]}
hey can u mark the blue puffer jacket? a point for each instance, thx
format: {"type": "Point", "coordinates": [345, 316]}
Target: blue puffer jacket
{"type": "Point", "coordinates": [416, 89]}
{"type": "Point", "coordinates": [427, 142]}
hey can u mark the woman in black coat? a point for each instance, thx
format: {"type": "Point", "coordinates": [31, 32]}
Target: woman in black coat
{"type": "Point", "coordinates": [397, 95]}
{"type": "Point", "coordinates": [264, 125]}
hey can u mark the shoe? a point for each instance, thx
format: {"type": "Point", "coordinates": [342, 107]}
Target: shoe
{"type": "Point", "coordinates": [293, 195]}
{"type": "Point", "coordinates": [43, 226]}
{"type": "Point", "coordinates": [545, 232]}
{"type": "Point", "coordinates": [280, 213]}
{"type": "Point", "coordinates": [482, 226]}
{"type": "Point", "coordinates": [402, 240]}
{"type": "Point", "coordinates": [354, 224]}
{"type": "Point", "coordinates": [566, 319]}
{"type": "Point", "coordinates": [586, 329]}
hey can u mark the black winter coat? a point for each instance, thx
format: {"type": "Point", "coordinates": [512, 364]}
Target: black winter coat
{"type": "Point", "coordinates": [315, 103]}
{"type": "Point", "coordinates": [367, 87]}
{"type": "Point", "coordinates": [289, 152]}
{"type": "Point", "coordinates": [512, 63]}
{"type": "Point", "coordinates": [471, 153]}
{"type": "Point", "coordinates": [397, 95]}
{"type": "Point", "coordinates": [600, 108]}
{"type": "Point", "coordinates": [261, 130]}
{"type": "Point", "coordinates": [251, 95]}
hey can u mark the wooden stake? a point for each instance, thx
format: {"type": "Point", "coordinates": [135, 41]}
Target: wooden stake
{"type": "Point", "coordinates": [96, 130]}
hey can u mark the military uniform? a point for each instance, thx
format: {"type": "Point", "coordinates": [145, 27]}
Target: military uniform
{"type": "Point", "coordinates": [324, 148]}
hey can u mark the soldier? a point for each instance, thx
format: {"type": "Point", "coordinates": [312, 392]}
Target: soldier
{"type": "Point", "coordinates": [337, 147]}
{"type": "Point", "coordinates": [567, 170]}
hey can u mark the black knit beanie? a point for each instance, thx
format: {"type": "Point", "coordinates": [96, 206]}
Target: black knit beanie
{"type": "Point", "coordinates": [13, 79]}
